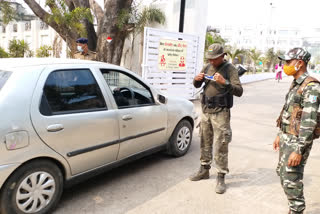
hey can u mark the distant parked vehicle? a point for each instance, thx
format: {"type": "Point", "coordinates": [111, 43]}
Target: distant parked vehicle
{"type": "Point", "coordinates": [62, 120]}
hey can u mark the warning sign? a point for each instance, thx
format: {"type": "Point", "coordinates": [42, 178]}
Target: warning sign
{"type": "Point", "coordinates": [172, 55]}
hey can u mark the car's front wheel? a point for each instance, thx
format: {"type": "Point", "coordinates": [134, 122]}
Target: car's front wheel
{"type": "Point", "coordinates": [34, 188]}
{"type": "Point", "coordinates": [180, 140]}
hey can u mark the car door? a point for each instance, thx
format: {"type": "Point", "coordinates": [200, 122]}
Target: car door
{"type": "Point", "coordinates": [142, 122]}
{"type": "Point", "coordinates": [71, 115]}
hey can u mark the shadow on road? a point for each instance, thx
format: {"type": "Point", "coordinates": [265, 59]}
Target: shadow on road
{"type": "Point", "coordinates": [254, 177]}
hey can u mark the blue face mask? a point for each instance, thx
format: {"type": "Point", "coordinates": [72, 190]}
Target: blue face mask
{"type": "Point", "coordinates": [79, 48]}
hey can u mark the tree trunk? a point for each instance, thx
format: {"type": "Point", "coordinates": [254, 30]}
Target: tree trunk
{"type": "Point", "coordinates": [68, 36]}
{"type": "Point", "coordinates": [112, 52]}
{"type": "Point", "coordinates": [91, 33]}
{"type": "Point", "coordinates": [107, 27]}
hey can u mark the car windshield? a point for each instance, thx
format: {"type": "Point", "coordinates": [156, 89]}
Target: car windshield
{"type": "Point", "coordinates": [4, 76]}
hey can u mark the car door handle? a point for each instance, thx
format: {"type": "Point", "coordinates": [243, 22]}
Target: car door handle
{"type": "Point", "coordinates": [126, 117]}
{"type": "Point", "coordinates": [55, 128]}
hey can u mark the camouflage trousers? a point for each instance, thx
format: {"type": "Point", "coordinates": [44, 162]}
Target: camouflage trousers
{"type": "Point", "coordinates": [215, 131]}
{"type": "Point", "coordinates": [291, 176]}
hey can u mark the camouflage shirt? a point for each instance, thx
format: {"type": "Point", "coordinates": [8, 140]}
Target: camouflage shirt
{"type": "Point", "coordinates": [213, 88]}
{"type": "Point", "coordinates": [309, 102]}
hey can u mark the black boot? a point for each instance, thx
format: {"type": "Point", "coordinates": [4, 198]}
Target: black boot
{"type": "Point", "coordinates": [221, 186]}
{"type": "Point", "coordinates": [203, 173]}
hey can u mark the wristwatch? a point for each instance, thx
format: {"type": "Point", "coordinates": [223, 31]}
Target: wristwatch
{"type": "Point", "coordinates": [227, 83]}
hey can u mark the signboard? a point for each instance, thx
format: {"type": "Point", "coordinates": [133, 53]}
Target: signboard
{"type": "Point", "coordinates": [172, 55]}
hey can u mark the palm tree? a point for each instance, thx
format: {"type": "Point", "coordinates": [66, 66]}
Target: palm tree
{"type": "Point", "coordinates": [234, 53]}
{"type": "Point", "coordinates": [18, 48]}
{"type": "Point", "coordinates": [271, 58]}
{"type": "Point", "coordinates": [147, 16]}
{"type": "Point", "coordinates": [7, 13]}
{"type": "Point", "coordinates": [212, 37]}
{"type": "Point", "coordinates": [143, 18]}
{"type": "Point", "coordinates": [255, 56]}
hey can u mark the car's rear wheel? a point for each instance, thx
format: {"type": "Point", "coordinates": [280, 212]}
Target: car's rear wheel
{"type": "Point", "coordinates": [180, 140]}
{"type": "Point", "coordinates": [34, 188]}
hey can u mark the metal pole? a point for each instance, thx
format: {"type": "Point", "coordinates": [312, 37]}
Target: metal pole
{"type": "Point", "coordinates": [182, 10]}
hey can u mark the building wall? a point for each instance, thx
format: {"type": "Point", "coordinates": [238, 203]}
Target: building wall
{"type": "Point", "coordinates": [262, 37]}
{"type": "Point", "coordinates": [36, 33]}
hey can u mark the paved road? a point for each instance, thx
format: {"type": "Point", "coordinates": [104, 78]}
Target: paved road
{"type": "Point", "coordinates": [159, 184]}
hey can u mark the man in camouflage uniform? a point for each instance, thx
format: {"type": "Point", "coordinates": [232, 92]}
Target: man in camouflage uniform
{"type": "Point", "coordinates": [83, 51]}
{"type": "Point", "coordinates": [297, 123]}
{"type": "Point", "coordinates": [221, 83]}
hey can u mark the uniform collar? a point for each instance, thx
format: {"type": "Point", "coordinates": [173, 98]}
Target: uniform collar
{"type": "Point", "coordinates": [220, 66]}
{"type": "Point", "coordinates": [302, 78]}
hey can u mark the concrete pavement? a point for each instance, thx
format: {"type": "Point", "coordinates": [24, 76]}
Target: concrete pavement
{"type": "Point", "coordinates": [249, 78]}
{"type": "Point", "coordinates": [160, 184]}
{"type": "Point", "coordinates": [253, 186]}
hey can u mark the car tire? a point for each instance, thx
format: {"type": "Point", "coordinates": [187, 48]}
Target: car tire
{"type": "Point", "coordinates": [180, 140]}
{"type": "Point", "coordinates": [20, 189]}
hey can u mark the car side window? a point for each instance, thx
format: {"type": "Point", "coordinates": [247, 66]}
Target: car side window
{"type": "Point", "coordinates": [127, 91]}
{"type": "Point", "coordinates": [71, 91]}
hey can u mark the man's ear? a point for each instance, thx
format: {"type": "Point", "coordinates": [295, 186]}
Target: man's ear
{"type": "Point", "coordinates": [302, 63]}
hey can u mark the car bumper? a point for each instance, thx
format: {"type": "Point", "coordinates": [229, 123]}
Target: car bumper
{"type": "Point", "coordinates": [5, 172]}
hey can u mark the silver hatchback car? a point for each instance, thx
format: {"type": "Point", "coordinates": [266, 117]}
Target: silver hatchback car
{"type": "Point", "coordinates": [65, 120]}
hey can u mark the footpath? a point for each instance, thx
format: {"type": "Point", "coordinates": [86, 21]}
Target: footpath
{"type": "Point", "coordinates": [248, 78]}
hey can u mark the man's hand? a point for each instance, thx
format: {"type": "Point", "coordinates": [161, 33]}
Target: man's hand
{"type": "Point", "coordinates": [294, 159]}
{"type": "Point", "coordinates": [199, 77]}
{"type": "Point", "coordinates": [276, 145]}
{"type": "Point", "coordinates": [219, 79]}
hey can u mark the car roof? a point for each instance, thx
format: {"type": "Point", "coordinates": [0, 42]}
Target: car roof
{"type": "Point", "coordinates": [12, 63]}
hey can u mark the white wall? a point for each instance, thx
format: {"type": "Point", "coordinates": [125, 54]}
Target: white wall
{"type": "Point", "coordinates": [37, 36]}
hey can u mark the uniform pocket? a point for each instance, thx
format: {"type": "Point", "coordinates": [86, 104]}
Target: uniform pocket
{"type": "Point", "coordinates": [200, 130]}
{"type": "Point", "coordinates": [227, 136]}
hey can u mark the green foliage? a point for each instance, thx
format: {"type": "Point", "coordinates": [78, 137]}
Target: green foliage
{"type": "Point", "coordinates": [149, 15]}
{"type": "Point", "coordinates": [29, 53]}
{"type": "Point", "coordinates": [255, 55]}
{"type": "Point", "coordinates": [212, 37]}
{"type": "Point", "coordinates": [139, 19]}
{"type": "Point", "coordinates": [3, 53]}
{"type": "Point", "coordinates": [44, 51]}
{"type": "Point", "coordinates": [234, 52]}
{"type": "Point", "coordinates": [7, 13]}
{"type": "Point", "coordinates": [271, 58]}
{"type": "Point", "coordinates": [123, 18]}
{"type": "Point", "coordinates": [19, 48]}
{"type": "Point", "coordinates": [61, 15]}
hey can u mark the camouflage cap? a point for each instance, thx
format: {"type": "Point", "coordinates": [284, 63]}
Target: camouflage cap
{"type": "Point", "coordinates": [214, 51]}
{"type": "Point", "coordinates": [296, 53]}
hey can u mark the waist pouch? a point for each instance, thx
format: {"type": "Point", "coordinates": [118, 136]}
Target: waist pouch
{"type": "Point", "coordinates": [221, 101]}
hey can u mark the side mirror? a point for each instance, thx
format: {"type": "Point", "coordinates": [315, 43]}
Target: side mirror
{"type": "Point", "coordinates": [162, 99]}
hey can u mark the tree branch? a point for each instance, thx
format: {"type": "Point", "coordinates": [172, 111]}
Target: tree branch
{"type": "Point", "coordinates": [41, 13]}
{"type": "Point", "coordinates": [70, 5]}
{"type": "Point", "coordinates": [97, 10]}
{"type": "Point", "coordinates": [129, 28]}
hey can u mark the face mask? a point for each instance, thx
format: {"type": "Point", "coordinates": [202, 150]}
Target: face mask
{"type": "Point", "coordinates": [79, 48]}
{"type": "Point", "coordinates": [290, 70]}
